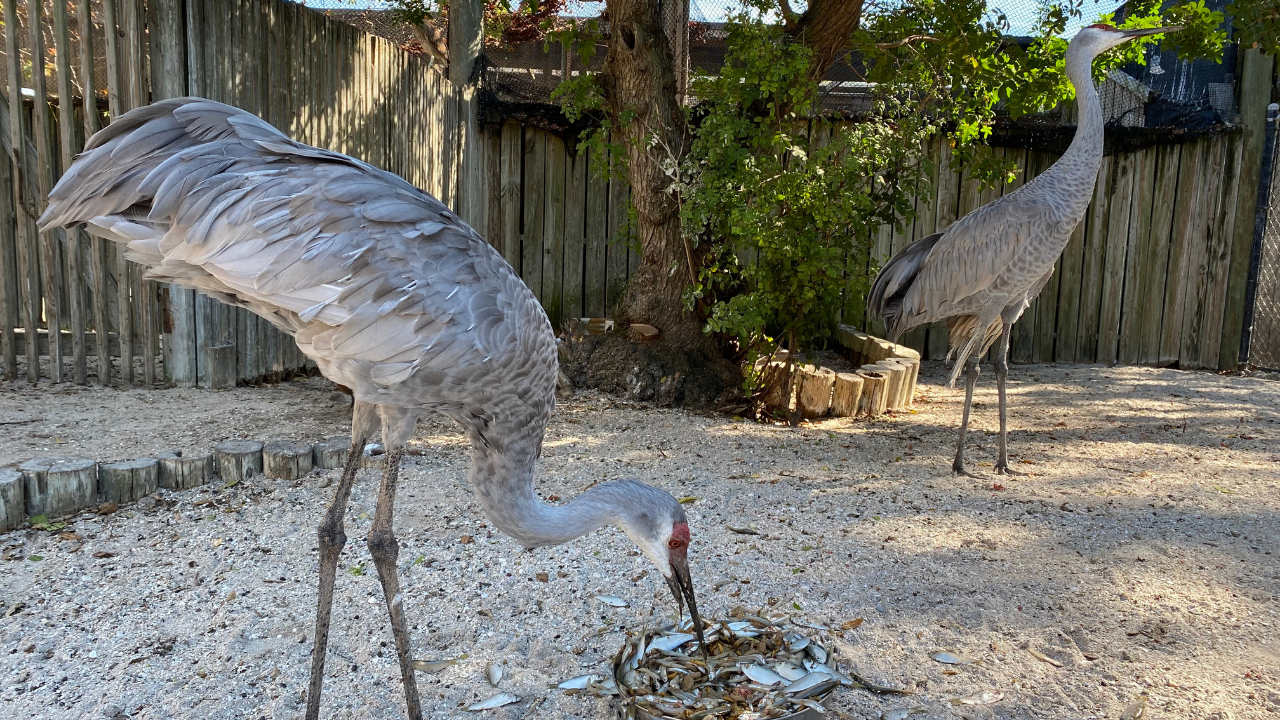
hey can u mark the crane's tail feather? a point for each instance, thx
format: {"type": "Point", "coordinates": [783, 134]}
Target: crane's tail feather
{"type": "Point", "coordinates": [968, 334]}
{"type": "Point", "coordinates": [889, 289]}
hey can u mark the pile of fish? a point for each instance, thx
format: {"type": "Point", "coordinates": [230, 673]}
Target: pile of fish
{"type": "Point", "coordinates": [757, 669]}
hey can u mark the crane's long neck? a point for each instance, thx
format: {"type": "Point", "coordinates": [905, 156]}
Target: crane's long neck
{"type": "Point", "coordinates": [502, 476]}
{"type": "Point", "coordinates": [1075, 173]}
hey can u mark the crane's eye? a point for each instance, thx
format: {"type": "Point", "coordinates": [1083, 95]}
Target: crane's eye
{"type": "Point", "coordinates": [673, 543]}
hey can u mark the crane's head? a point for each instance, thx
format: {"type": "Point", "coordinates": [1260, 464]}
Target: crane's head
{"type": "Point", "coordinates": [1100, 37]}
{"type": "Point", "coordinates": [657, 525]}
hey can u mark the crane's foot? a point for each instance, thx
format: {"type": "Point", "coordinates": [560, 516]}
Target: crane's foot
{"type": "Point", "coordinates": [959, 469]}
{"type": "Point", "coordinates": [1004, 469]}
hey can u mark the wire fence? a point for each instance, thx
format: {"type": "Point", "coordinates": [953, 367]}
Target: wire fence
{"type": "Point", "coordinates": [1264, 333]}
{"type": "Point", "coordinates": [520, 77]}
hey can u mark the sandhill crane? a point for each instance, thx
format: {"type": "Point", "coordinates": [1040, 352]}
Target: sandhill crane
{"type": "Point", "coordinates": [389, 292]}
{"type": "Point", "coordinates": [982, 272]}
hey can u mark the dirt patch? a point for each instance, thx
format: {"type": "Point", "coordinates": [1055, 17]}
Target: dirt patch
{"type": "Point", "coordinates": [650, 372]}
{"type": "Point", "coordinates": [1139, 561]}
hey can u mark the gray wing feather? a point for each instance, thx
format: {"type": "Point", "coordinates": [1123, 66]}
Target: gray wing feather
{"type": "Point", "coordinates": [363, 268]}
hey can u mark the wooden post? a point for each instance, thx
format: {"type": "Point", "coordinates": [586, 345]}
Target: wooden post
{"type": "Point", "coordinates": [238, 460]}
{"type": "Point", "coordinates": [128, 481]}
{"type": "Point", "coordinates": [59, 485]}
{"type": "Point", "coordinates": [182, 472]}
{"type": "Point", "coordinates": [844, 397]}
{"type": "Point", "coordinates": [26, 243]}
{"type": "Point", "coordinates": [814, 398]}
{"type": "Point", "coordinates": [331, 453]}
{"type": "Point", "coordinates": [875, 385]}
{"type": "Point", "coordinates": [13, 511]}
{"type": "Point", "coordinates": [166, 29]}
{"type": "Point", "coordinates": [1255, 95]}
{"type": "Point", "coordinates": [895, 374]}
{"type": "Point", "coordinates": [779, 387]}
{"type": "Point", "coordinates": [286, 459]}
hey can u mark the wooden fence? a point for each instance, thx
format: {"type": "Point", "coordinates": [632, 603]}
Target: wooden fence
{"type": "Point", "coordinates": [1145, 278]}
{"type": "Point", "coordinates": [321, 81]}
{"type": "Point", "coordinates": [1152, 275]}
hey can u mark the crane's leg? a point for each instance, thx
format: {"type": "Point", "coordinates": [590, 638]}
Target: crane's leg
{"type": "Point", "coordinates": [1002, 371]}
{"type": "Point", "coordinates": [332, 538]}
{"type": "Point", "coordinates": [970, 377]}
{"type": "Point", "coordinates": [385, 550]}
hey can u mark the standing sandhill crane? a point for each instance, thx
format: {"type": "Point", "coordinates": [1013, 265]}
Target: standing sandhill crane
{"type": "Point", "coordinates": [983, 271]}
{"type": "Point", "coordinates": [389, 292]}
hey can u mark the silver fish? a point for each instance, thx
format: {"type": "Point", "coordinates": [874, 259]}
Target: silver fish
{"type": "Point", "coordinates": [435, 666]}
{"type": "Point", "coordinates": [582, 682]}
{"type": "Point", "coordinates": [950, 658]}
{"type": "Point", "coordinates": [817, 652]}
{"type": "Point", "coordinates": [667, 643]}
{"type": "Point", "coordinates": [493, 673]}
{"type": "Point", "coordinates": [613, 601]}
{"type": "Point", "coordinates": [795, 641]}
{"type": "Point", "coordinates": [807, 682]}
{"type": "Point", "coordinates": [763, 675]}
{"type": "Point", "coordinates": [496, 701]}
{"type": "Point", "coordinates": [789, 671]}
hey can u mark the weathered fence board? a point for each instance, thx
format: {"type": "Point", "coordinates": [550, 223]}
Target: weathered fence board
{"type": "Point", "coordinates": [320, 80]}
{"type": "Point", "coordinates": [1143, 279]}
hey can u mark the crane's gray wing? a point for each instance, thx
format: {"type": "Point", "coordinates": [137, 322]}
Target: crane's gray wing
{"type": "Point", "coordinates": [369, 273]}
{"type": "Point", "coordinates": [982, 256]}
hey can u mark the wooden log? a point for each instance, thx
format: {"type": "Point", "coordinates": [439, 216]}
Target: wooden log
{"type": "Point", "coordinates": [874, 386]}
{"type": "Point", "coordinates": [845, 395]}
{"type": "Point", "coordinates": [814, 398]}
{"type": "Point", "coordinates": [894, 374]}
{"type": "Point", "coordinates": [913, 373]}
{"type": "Point", "coordinates": [331, 453]}
{"type": "Point", "coordinates": [181, 472]}
{"type": "Point", "coordinates": [13, 510]}
{"type": "Point", "coordinates": [128, 481]}
{"type": "Point", "coordinates": [237, 460]}
{"type": "Point", "coordinates": [778, 387]}
{"type": "Point", "coordinates": [59, 485]}
{"type": "Point", "coordinates": [286, 459]}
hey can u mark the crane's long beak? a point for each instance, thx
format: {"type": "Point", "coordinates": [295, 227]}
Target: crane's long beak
{"type": "Point", "coordinates": [681, 585]}
{"type": "Point", "coordinates": [1143, 32]}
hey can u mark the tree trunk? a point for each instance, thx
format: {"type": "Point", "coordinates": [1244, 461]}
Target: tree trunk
{"type": "Point", "coordinates": [640, 84]}
{"type": "Point", "coordinates": [826, 27]}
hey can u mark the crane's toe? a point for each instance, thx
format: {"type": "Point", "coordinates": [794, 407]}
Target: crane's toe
{"type": "Point", "coordinates": [1002, 469]}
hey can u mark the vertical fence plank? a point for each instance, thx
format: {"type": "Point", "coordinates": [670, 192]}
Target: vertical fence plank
{"type": "Point", "coordinates": [597, 233]}
{"type": "Point", "coordinates": [67, 148]}
{"type": "Point", "coordinates": [14, 295]}
{"type": "Point", "coordinates": [1113, 262]}
{"type": "Point", "coordinates": [946, 207]}
{"type": "Point", "coordinates": [510, 181]}
{"type": "Point", "coordinates": [1136, 291]}
{"type": "Point", "coordinates": [1095, 253]}
{"type": "Point", "coordinates": [1046, 303]}
{"type": "Point", "coordinates": [1219, 236]}
{"type": "Point", "coordinates": [1156, 258]}
{"type": "Point", "coordinates": [1196, 287]}
{"type": "Point", "coordinates": [97, 246]}
{"type": "Point", "coordinates": [49, 257]}
{"type": "Point", "coordinates": [1190, 175]}
{"type": "Point", "coordinates": [575, 206]}
{"type": "Point", "coordinates": [553, 230]}
{"type": "Point", "coordinates": [535, 145]}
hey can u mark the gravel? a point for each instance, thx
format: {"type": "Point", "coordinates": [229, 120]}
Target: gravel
{"type": "Point", "coordinates": [1140, 559]}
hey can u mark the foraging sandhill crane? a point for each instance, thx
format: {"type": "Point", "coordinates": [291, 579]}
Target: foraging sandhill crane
{"type": "Point", "coordinates": [390, 293]}
{"type": "Point", "coordinates": [983, 271]}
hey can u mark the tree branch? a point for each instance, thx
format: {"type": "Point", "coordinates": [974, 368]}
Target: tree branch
{"type": "Point", "coordinates": [433, 40]}
{"type": "Point", "coordinates": [906, 41]}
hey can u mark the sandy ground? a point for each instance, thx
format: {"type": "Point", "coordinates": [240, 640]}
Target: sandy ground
{"type": "Point", "coordinates": [1140, 560]}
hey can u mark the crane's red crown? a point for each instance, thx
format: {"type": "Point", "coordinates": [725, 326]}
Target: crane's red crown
{"type": "Point", "coordinates": [679, 541]}
{"type": "Point", "coordinates": [1103, 26]}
